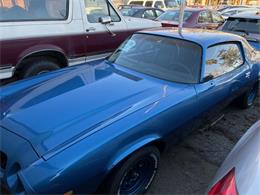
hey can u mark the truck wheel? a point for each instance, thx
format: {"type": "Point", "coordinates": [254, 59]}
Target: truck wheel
{"type": "Point", "coordinates": [36, 66]}
{"type": "Point", "coordinates": [136, 174]}
{"type": "Point", "coordinates": [248, 98]}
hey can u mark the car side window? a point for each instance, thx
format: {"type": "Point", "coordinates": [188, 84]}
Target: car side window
{"type": "Point", "coordinates": [95, 9]}
{"type": "Point", "coordinates": [149, 14]}
{"type": "Point", "coordinates": [158, 4]}
{"type": "Point", "coordinates": [158, 12]}
{"type": "Point", "coordinates": [222, 58]}
{"type": "Point", "coordinates": [204, 17]}
{"type": "Point", "coordinates": [217, 18]}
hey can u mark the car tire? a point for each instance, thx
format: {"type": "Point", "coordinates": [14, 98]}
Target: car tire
{"type": "Point", "coordinates": [135, 174]}
{"type": "Point", "coordinates": [37, 66]}
{"type": "Point", "coordinates": [248, 98]}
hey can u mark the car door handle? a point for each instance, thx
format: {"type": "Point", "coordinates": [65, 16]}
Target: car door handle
{"type": "Point", "coordinates": [90, 29]}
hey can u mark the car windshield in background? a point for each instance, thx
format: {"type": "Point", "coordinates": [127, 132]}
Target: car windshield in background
{"type": "Point", "coordinates": [243, 25]}
{"type": "Point", "coordinates": [161, 57]}
{"type": "Point", "coordinates": [174, 16]}
{"type": "Point", "coordinates": [129, 11]}
{"type": "Point", "coordinates": [29, 10]}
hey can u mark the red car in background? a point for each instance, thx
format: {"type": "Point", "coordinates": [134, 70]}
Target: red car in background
{"type": "Point", "coordinates": [193, 18]}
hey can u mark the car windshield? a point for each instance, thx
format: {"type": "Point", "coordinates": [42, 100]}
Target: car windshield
{"type": "Point", "coordinates": [129, 11]}
{"type": "Point", "coordinates": [174, 16]}
{"type": "Point", "coordinates": [161, 57]}
{"type": "Point", "coordinates": [243, 25]}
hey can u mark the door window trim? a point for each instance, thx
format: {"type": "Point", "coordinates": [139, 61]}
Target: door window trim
{"type": "Point", "coordinates": [240, 47]}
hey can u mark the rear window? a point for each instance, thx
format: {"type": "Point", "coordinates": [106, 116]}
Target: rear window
{"type": "Point", "coordinates": [242, 25]}
{"type": "Point", "coordinates": [174, 16]}
{"type": "Point", "coordinates": [30, 10]}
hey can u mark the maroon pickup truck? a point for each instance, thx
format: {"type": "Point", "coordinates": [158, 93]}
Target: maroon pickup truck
{"type": "Point", "coordinates": [41, 36]}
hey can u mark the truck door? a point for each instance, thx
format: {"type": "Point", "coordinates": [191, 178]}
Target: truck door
{"type": "Point", "coordinates": [105, 28]}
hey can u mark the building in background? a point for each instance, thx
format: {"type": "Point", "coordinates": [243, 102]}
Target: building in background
{"type": "Point", "coordinates": [223, 2]}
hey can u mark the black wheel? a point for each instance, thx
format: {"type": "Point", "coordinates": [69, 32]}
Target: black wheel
{"type": "Point", "coordinates": [136, 174]}
{"type": "Point", "coordinates": [36, 66]}
{"type": "Point", "coordinates": [248, 98]}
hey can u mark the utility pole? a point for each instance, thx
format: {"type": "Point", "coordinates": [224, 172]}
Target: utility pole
{"type": "Point", "coordinates": [181, 16]}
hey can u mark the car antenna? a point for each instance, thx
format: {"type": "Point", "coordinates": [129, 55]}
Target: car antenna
{"type": "Point", "coordinates": [181, 16]}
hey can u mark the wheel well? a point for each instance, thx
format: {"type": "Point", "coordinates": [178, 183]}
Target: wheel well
{"type": "Point", "coordinates": [52, 55]}
{"type": "Point", "coordinates": [157, 143]}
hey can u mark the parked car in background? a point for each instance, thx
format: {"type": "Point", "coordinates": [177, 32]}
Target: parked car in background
{"type": "Point", "coordinates": [246, 24]}
{"type": "Point", "coordinates": [148, 3]}
{"type": "Point", "coordinates": [106, 125]}
{"type": "Point", "coordinates": [240, 172]}
{"type": "Point", "coordinates": [41, 36]}
{"type": "Point", "coordinates": [232, 11]}
{"type": "Point", "coordinates": [141, 12]}
{"type": "Point", "coordinates": [193, 18]}
{"type": "Point", "coordinates": [226, 7]}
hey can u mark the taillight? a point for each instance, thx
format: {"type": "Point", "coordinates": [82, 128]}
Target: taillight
{"type": "Point", "coordinates": [225, 186]}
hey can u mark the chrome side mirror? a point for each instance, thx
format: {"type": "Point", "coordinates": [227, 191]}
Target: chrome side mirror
{"type": "Point", "coordinates": [105, 20]}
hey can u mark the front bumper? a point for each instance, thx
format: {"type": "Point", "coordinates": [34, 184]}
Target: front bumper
{"type": "Point", "coordinates": [6, 72]}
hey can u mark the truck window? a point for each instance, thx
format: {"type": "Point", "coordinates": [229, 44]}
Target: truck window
{"type": "Point", "coordinates": [158, 4]}
{"type": "Point", "coordinates": [25, 10]}
{"type": "Point", "coordinates": [148, 4]}
{"type": "Point", "coordinates": [95, 9]}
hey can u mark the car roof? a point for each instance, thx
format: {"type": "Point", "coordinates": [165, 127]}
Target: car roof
{"type": "Point", "coordinates": [138, 7]}
{"type": "Point", "coordinates": [189, 9]}
{"type": "Point", "coordinates": [248, 14]}
{"type": "Point", "coordinates": [205, 38]}
{"type": "Point", "coordinates": [238, 9]}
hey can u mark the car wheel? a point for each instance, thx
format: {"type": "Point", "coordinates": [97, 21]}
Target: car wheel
{"type": "Point", "coordinates": [247, 100]}
{"type": "Point", "coordinates": [37, 66]}
{"type": "Point", "coordinates": [136, 174]}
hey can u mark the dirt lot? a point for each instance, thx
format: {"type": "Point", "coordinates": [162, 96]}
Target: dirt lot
{"type": "Point", "coordinates": [189, 167]}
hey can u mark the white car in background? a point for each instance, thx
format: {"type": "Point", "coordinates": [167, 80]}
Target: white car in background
{"type": "Point", "coordinates": [240, 172]}
{"type": "Point", "coordinates": [161, 4]}
{"type": "Point", "coordinates": [232, 11]}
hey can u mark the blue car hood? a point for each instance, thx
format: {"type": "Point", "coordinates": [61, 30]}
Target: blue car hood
{"type": "Point", "coordinates": [51, 110]}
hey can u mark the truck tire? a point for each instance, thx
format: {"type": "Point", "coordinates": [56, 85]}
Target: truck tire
{"type": "Point", "coordinates": [135, 174]}
{"type": "Point", "coordinates": [36, 66]}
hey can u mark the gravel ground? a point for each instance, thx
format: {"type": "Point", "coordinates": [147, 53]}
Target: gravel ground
{"type": "Point", "coordinates": [189, 167]}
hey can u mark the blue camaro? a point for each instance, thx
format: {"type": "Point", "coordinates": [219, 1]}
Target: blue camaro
{"type": "Point", "coordinates": [101, 128]}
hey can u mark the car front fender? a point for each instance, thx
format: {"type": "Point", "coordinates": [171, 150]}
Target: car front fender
{"type": "Point", "coordinates": [130, 148]}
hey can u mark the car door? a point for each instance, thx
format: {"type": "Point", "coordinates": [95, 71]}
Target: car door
{"type": "Point", "coordinates": [102, 38]}
{"type": "Point", "coordinates": [223, 78]}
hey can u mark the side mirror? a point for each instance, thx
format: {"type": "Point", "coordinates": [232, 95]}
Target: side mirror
{"type": "Point", "coordinates": [105, 20]}
{"type": "Point", "coordinates": [208, 78]}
